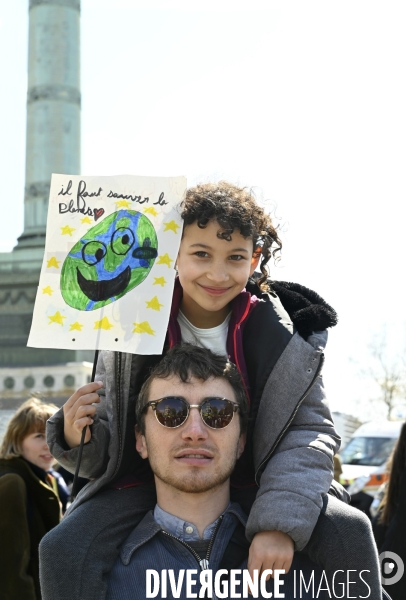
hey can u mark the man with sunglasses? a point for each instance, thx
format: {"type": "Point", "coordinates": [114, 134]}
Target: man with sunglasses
{"type": "Point", "coordinates": [192, 417]}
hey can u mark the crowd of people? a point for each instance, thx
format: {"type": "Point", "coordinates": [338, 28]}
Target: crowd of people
{"type": "Point", "coordinates": [251, 491]}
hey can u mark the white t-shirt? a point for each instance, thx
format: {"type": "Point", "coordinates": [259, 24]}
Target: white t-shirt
{"type": "Point", "coordinates": [215, 339]}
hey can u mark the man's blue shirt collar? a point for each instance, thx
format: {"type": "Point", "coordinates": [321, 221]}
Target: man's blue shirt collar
{"type": "Point", "coordinates": [185, 531]}
{"type": "Point", "coordinates": [149, 527]}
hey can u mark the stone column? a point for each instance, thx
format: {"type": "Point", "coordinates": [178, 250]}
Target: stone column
{"type": "Point", "coordinates": [53, 108]}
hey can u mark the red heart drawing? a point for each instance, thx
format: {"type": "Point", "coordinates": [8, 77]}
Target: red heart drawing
{"type": "Point", "coordinates": [97, 213]}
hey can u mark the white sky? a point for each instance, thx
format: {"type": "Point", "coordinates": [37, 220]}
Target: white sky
{"type": "Point", "coordinates": [306, 101]}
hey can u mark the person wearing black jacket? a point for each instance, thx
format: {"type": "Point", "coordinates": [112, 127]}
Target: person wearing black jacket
{"type": "Point", "coordinates": [29, 502]}
{"type": "Point", "coordinates": [390, 524]}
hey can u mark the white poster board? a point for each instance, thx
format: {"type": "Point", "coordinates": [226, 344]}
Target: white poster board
{"type": "Point", "coordinates": [108, 272]}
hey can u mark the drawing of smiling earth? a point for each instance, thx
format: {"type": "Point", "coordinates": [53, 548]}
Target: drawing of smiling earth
{"type": "Point", "coordinates": [111, 259]}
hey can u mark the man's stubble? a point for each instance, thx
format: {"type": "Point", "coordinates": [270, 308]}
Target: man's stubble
{"type": "Point", "coordinates": [196, 480]}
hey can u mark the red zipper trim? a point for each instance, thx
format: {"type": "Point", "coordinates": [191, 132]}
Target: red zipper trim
{"type": "Point", "coordinates": [129, 485]}
{"type": "Point", "coordinates": [243, 486]}
{"type": "Point", "coordinates": [247, 308]}
{"type": "Point", "coordinates": [172, 325]}
{"type": "Point", "coordinates": [171, 337]}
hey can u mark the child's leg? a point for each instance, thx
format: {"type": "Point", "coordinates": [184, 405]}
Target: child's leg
{"type": "Point", "coordinates": [343, 540]}
{"type": "Point", "coordinates": [76, 554]}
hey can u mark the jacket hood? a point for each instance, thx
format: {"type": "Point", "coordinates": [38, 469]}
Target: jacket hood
{"type": "Point", "coordinates": [308, 311]}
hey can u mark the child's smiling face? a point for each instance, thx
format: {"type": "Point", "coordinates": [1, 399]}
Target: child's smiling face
{"type": "Point", "coordinates": [212, 272]}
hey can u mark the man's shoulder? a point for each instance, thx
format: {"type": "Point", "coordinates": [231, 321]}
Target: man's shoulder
{"type": "Point", "coordinates": [146, 529]}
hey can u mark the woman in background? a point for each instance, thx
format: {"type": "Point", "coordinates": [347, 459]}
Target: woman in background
{"type": "Point", "coordinates": [29, 502]}
{"type": "Point", "coordinates": [390, 523]}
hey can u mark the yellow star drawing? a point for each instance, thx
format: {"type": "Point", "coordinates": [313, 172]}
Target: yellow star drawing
{"type": "Point", "coordinates": [53, 263]}
{"type": "Point", "coordinates": [143, 327]}
{"type": "Point", "coordinates": [86, 220]}
{"type": "Point", "coordinates": [76, 326]}
{"type": "Point", "coordinates": [151, 210]}
{"type": "Point", "coordinates": [103, 324]}
{"type": "Point", "coordinates": [47, 290]}
{"type": "Point", "coordinates": [159, 281]}
{"type": "Point", "coordinates": [154, 303]}
{"type": "Point", "coordinates": [164, 260]}
{"type": "Point", "coordinates": [122, 204]}
{"type": "Point", "coordinates": [67, 230]}
{"type": "Point", "coordinates": [56, 318]}
{"type": "Point", "coordinates": [171, 226]}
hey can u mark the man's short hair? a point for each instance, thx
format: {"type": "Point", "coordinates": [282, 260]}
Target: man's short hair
{"type": "Point", "coordinates": [186, 361]}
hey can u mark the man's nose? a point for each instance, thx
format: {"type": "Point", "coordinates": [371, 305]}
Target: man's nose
{"type": "Point", "coordinates": [194, 428]}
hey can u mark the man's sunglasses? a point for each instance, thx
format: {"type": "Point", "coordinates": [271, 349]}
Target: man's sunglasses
{"type": "Point", "coordinates": [172, 411]}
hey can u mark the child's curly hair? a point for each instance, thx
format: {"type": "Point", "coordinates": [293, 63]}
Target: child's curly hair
{"type": "Point", "coordinates": [233, 208]}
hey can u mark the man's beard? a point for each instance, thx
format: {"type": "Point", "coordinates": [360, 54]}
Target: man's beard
{"type": "Point", "coordinates": [195, 481]}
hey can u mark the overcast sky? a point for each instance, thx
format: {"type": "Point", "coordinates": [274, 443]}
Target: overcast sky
{"type": "Point", "coordinates": [305, 101]}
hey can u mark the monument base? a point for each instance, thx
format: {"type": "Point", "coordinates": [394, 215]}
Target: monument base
{"type": "Point", "coordinates": [18, 289]}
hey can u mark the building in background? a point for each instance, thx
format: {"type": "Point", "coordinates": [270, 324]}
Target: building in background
{"type": "Point", "coordinates": [52, 146]}
{"type": "Point", "coordinates": [54, 383]}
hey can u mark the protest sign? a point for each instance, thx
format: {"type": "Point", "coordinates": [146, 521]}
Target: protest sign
{"type": "Point", "coordinates": [108, 272]}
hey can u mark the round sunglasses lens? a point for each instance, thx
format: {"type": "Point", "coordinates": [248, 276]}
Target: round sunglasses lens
{"type": "Point", "coordinates": [217, 413]}
{"type": "Point", "coordinates": [171, 412]}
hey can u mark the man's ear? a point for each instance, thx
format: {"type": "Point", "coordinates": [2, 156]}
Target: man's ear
{"type": "Point", "coordinates": [140, 443]}
{"type": "Point", "coordinates": [255, 260]}
{"type": "Point", "coordinates": [241, 444]}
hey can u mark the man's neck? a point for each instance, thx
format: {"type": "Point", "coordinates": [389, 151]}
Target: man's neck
{"type": "Point", "coordinates": [201, 509]}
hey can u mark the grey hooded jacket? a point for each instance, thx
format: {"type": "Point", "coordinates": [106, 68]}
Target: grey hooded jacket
{"type": "Point", "coordinates": [293, 440]}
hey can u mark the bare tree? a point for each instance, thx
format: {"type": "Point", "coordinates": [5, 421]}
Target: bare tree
{"type": "Point", "coordinates": [388, 371]}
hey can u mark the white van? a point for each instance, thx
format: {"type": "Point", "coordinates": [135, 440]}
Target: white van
{"type": "Point", "coordinates": [364, 460]}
